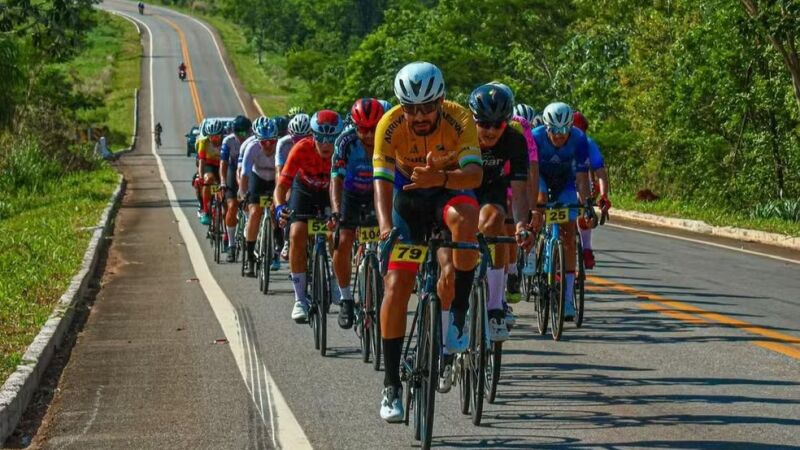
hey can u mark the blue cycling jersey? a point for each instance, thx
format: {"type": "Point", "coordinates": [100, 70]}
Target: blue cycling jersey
{"type": "Point", "coordinates": [596, 160]}
{"type": "Point", "coordinates": [351, 162]}
{"type": "Point", "coordinates": [229, 151]}
{"type": "Point", "coordinates": [557, 167]}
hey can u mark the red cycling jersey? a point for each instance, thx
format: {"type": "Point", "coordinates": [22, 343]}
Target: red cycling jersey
{"type": "Point", "coordinates": [314, 171]}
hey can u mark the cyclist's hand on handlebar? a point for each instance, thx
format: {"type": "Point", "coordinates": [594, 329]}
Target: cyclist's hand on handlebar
{"type": "Point", "coordinates": [333, 220]}
{"type": "Point", "coordinates": [536, 220]}
{"type": "Point", "coordinates": [604, 203]}
{"type": "Point", "coordinates": [524, 237]}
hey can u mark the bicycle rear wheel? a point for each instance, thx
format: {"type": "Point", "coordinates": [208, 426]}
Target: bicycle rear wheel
{"type": "Point", "coordinates": [578, 292]}
{"type": "Point", "coordinates": [493, 362]}
{"type": "Point", "coordinates": [427, 371]}
{"type": "Point", "coordinates": [557, 291]}
{"type": "Point", "coordinates": [362, 310]}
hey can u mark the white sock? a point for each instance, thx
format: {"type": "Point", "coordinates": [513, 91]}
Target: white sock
{"type": "Point", "coordinates": [231, 235]}
{"type": "Point", "coordinates": [586, 239]}
{"type": "Point", "coordinates": [494, 277]}
{"type": "Point", "coordinates": [299, 285]}
{"type": "Point", "coordinates": [344, 293]}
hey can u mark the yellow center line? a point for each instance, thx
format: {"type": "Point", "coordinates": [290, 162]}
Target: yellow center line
{"type": "Point", "coordinates": [691, 313]}
{"type": "Point", "coordinates": [198, 106]}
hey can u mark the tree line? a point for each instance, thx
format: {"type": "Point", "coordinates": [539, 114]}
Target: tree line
{"type": "Point", "coordinates": [694, 99]}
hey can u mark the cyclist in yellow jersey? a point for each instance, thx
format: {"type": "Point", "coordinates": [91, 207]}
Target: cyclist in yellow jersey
{"type": "Point", "coordinates": [426, 159]}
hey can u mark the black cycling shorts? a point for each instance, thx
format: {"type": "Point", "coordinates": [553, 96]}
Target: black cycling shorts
{"type": "Point", "coordinates": [258, 187]}
{"type": "Point", "coordinates": [355, 209]}
{"type": "Point", "coordinates": [493, 194]}
{"type": "Point", "coordinates": [305, 201]}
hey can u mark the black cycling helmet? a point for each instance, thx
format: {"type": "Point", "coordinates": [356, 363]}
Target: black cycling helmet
{"type": "Point", "coordinates": [241, 124]}
{"type": "Point", "coordinates": [282, 123]}
{"type": "Point", "coordinates": [491, 103]}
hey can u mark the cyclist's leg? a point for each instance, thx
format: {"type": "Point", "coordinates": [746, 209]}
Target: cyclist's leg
{"type": "Point", "coordinates": [459, 213]}
{"type": "Point", "coordinates": [209, 178]}
{"type": "Point", "coordinates": [301, 202]}
{"type": "Point", "coordinates": [341, 260]}
{"type": "Point", "coordinates": [398, 284]}
{"type": "Point", "coordinates": [492, 224]}
{"type": "Point", "coordinates": [569, 195]}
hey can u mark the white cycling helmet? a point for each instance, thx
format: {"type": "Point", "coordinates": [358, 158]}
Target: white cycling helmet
{"type": "Point", "coordinates": [300, 125]}
{"type": "Point", "coordinates": [419, 82]}
{"type": "Point", "coordinates": [557, 117]}
{"type": "Point", "coordinates": [214, 127]}
{"type": "Point", "coordinates": [525, 111]}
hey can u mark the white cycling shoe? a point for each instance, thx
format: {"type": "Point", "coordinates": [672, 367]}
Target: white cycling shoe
{"type": "Point", "coordinates": [392, 404]}
{"type": "Point", "coordinates": [300, 312]}
{"type": "Point", "coordinates": [498, 330]}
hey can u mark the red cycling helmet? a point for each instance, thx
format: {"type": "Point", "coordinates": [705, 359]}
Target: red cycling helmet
{"type": "Point", "coordinates": [366, 112]}
{"type": "Point", "coordinates": [579, 120]}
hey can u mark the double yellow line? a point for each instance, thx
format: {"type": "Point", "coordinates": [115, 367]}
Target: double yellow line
{"type": "Point", "coordinates": [775, 341]}
{"type": "Point", "coordinates": [198, 106]}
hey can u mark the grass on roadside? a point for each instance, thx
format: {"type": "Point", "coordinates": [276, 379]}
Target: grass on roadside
{"type": "Point", "coordinates": [46, 227]}
{"type": "Point", "coordinates": [109, 68]}
{"type": "Point", "coordinates": [735, 217]}
{"type": "Point", "coordinates": [41, 249]}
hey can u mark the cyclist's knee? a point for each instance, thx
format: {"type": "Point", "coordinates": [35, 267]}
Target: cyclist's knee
{"type": "Point", "coordinates": [492, 220]}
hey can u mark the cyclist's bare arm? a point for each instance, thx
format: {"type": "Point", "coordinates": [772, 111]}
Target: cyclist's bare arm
{"type": "Point", "coordinates": [582, 181]}
{"type": "Point", "coordinates": [223, 173]}
{"type": "Point", "coordinates": [602, 178]}
{"type": "Point", "coordinates": [280, 194]}
{"type": "Point", "coordinates": [469, 177]}
{"type": "Point", "coordinates": [337, 184]}
{"type": "Point", "coordinates": [384, 192]}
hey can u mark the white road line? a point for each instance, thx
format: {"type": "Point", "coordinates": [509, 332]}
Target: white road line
{"type": "Point", "coordinates": [289, 433]}
{"type": "Point", "coordinates": [713, 244]}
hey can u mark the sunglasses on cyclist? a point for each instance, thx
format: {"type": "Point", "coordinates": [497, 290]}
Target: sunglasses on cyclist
{"type": "Point", "coordinates": [424, 108]}
{"type": "Point", "coordinates": [265, 142]}
{"type": "Point", "coordinates": [365, 130]}
{"type": "Point", "coordinates": [242, 134]}
{"type": "Point", "coordinates": [486, 125]}
{"type": "Point", "coordinates": [559, 130]}
{"type": "Point", "coordinates": [325, 138]}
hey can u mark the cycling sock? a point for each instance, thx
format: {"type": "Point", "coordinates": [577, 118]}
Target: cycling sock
{"type": "Point", "coordinates": [205, 205]}
{"type": "Point", "coordinates": [345, 293]}
{"type": "Point", "coordinates": [251, 251]}
{"type": "Point", "coordinates": [570, 287]}
{"type": "Point", "coordinates": [231, 235]}
{"type": "Point", "coordinates": [511, 267]}
{"type": "Point", "coordinates": [299, 285]}
{"type": "Point", "coordinates": [586, 239]}
{"type": "Point", "coordinates": [464, 279]}
{"type": "Point", "coordinates": [494, 278]}
{"type": "Point", "coordinates": [392, 352]}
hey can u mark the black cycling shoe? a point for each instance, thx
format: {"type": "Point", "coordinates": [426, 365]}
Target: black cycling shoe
{"type": "Point", "coordinates": [231, 256]}
{"type": "Point", "coordinates": [346, 314]}
{"type": "Point", "coordinates": [251, 269]}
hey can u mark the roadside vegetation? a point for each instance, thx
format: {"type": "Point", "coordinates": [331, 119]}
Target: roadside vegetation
{"type": "Point", "coordinates": [697, 101]}
{"type": "Point", "coordinates": [66, 66]}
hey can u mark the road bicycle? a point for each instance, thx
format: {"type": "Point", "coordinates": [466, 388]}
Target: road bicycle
{"type": "Point", "coordinates": [320, 279]}
{"type": "Point", "coordinates": [265, 244]}
{"type": "Point", "coordinates": [422, 358]}
{"type": "Point", "coordinates": [479, 366]}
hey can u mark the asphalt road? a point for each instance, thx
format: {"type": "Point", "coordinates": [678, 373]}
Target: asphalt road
{"type": "Point", "coordinates": [684, 345]}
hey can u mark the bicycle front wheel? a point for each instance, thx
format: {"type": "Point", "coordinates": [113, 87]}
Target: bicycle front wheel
{"type": "Point", "coordinates": [558, 288]}
{"type": "Point", "coordinates": [374, 287]}
{"type": "Point", "coordinates": [266, 252]}
{"type": "Point", "coordinates": [322, 298]}
{"type": "Point", "coordinates": [539, 286]}
{"type": "Point", "coordinates": [427, 370]}
{"type": "Point", "coordinates": [478, 351]}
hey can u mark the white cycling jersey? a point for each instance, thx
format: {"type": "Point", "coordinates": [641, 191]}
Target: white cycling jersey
{"type": "Point", "coordinates": [254, 160]}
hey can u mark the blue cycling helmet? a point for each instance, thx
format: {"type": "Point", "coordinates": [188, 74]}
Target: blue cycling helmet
{"type": "Point", "coordinates": [264, 128]}
{"type": "Point", "coordinates": [386, 105]}
{"type": "Point", "coordinates": [326, 122]}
